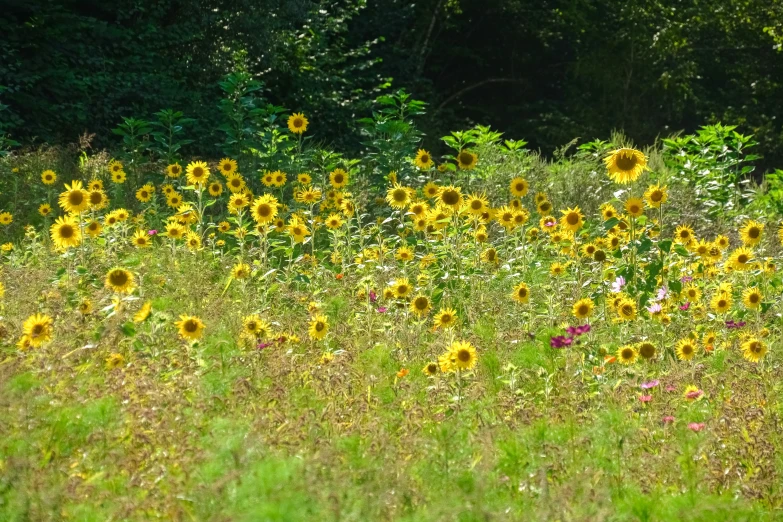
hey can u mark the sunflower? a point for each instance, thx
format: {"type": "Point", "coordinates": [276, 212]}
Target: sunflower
{"type": "Point", "coordinates": [751, 233]}
{"type": "Point", "coordinates": [238, 201]}
{"type": "Point", "coordinates": [401, 288]}
{"type": "Point", "coordinates": [634, 207]}
{"type": "Point", "coordinates": [279, 178]}
{"type": "Point", "coordinates": [446, 362]}
{"type": "Point", "coordinates": [215, 189]}
{"type": "Point", "coordinates": [85, 307]}
{"type": "Point", "coordinates": [521, 293]}
{"type": "Point", "coordinates": [464, 355]}
{"type": "Point", "coordinates": [118, 177]}
{"type": "Point", "coordinates": [74, 199]}
{"type": "Point", "coordinates": [48, 177]}
{"type": "Point", "coordinates": [490, 256]}
{"type": "Point", "coordinates": [297, 230]}
{"type": "Point", "coordinates": [264, 209]}
{"type": "Point", "coordinates": [467, 160]}
{"type": "Point", "coordinates": [227, 166]}
{"type": "Point", "coordinates": [175, 230]}
{"type": "Point", "coordinates": [235, 182]}
{"type": "Point", "coordinates": [686, 349]}
{"type": "Point", "coordinates": [398, 196]}
{"type": "Point", "coordinates": [625, 165]}
{"type": "Point", "coordinates": [692, 293]}
{"type": "Point", "coordinates": [627, 354]}
{"type": "Point", "coordinates": [753, 349]}
{"type": "Point", "coordinates": [193, 241]}
{"type": "Point", "coordinates": [683, 234]}
{"type": "Point", "coordinates": [505, 216]}
{"type": "Point", "coordinates": [268, 179]}
{"type": "Point", "coordinates": [519, 187]}
{"type": "Point", "coordinates": [646, 350]}
{"type": "Point", "coordinates": [115, 166]}
{"type": "Point", "coordinates": [338, 178]}
{"type": "Point", "coordinates": [626, 310]}
{"type": "Point", "coordinates": [45, 209]}
{"type": "Point", "coordinates": [557, 269]}
{"type": "Point", "coordinates": [297, 123]}
{"type": "Point", "coordinates": [174, 170]}
{"type": "Point", "coordinates": [608, 211]}
{"type": "Point", "coordinates": [190, 327]}
{"type": "Point", "coordinates": [476, 204]}
{"type": "Point", "coordinates": [198, 173]}
{"type": "Point", "coordinates": [404, 254]}
{"type": "Point", "coordinates": [319, 327]}
{"type": "Point", "coordinates": [333, 221]}
{"type": "Point", "coordinates": [430, 369]}
{"type": "Point", "coordinates": [431, 189]}
{"type": "Point", "coordinates": [420, 305]}
{"type": "Point", "coordinates": [97, 199]}
{"type": "Point", "coordinates": [143, 313]}
{"type": "Point", "coordinates": [224, 226]}
{"type": "Point", "coordinates": [141, 239]}
{"type": "Point", "coordinates": [348, 208]}
{"type": "Point", "coordinates": [65, 232]}
{"type": "Point", "coordinates": [740, 259]}
{"type": "Point", "coordinates": [544, 208]}
{"type": "Point", "coordinates": [445, 318]}
{"type": "Point", "coordinates": [752, 298]}
{"type": "Point", "coordinates": [572, 219]}
{"type": "Point", "coordinates": [481, 235]}
{"type": "Point", "coordinates": [583, 308]}
{"type": "Point", "coordinates": [38, 328]}
{"type": "Point", "coordinates": [254, 326]}
{"type": "Point", "coordinates": [145, 193]}
{"type": "Point", "coordinates": [95, 184]}
{"type": "Point", "coordinates": [94, 228]}
{"type": "Point", "coordinates": [423, 160]}
{"type": "Point", "coordinates": [655, 195]}
{"type": "Point", "coordinates": [304, 179]}
{"type": "Point", "coordinates": [120, 281]}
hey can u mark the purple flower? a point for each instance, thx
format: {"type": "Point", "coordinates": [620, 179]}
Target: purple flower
{"type": "Point", "coordinates": [382, 309]}
{"type": "Point", "coordinates": [651, 384]}
{"type": "Point", "coordinates": [686, 279]}
{"type": "Point", "coordinates": [560, 341]}
{"type": "Point", "coordinates": [152, 232]}
{"type": "Point", "coordinates": [618, 284]}
{"type": "Point", "coordinates": [731, 324]}
{"type": "Point", "coordinates": [582, 329]}
{"type": "Point", "coordinates": [685, 306]}
{"type": "Point", "coordinates": [654, 308]}
{"type": "Point", "coordinates": [373, 296]}
{"type": "Point", "coordinates": [261, 346]}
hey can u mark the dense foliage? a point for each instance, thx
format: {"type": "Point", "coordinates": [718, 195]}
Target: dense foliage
{"type": "Point", "coordinates": [543, 70]}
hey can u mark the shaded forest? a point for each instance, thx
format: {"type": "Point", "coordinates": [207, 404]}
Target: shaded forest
{"type": "Point", "coordinates": [544, 71]}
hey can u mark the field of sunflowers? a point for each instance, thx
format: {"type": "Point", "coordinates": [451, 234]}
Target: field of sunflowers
{"type": "Point", "coordinates": [485, 335]}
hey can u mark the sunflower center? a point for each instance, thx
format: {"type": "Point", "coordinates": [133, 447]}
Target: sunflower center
{"type": "Point", "coordinates": [298, 123]}
{"type": "Point", "coordinates": [191, 326]}
{"type": "Point", "coordinates": [319, 326]}
{"type": "Point", "coordinates": [264, 210]}
{"type": "Point", "coordinates": [656, 196]}
{"type": "Point", "coordinates": [523, 292]}
{"type": "Point", "coordinates": [754, 298]}
{"type": "Point", "coordinates": [66, 231]}
{"type": "Point", "coordinates": [628, 353]}
{"type": "Point", "coordinates": [572, 218]}
{"type": "Point", "coordinates": [118, 278]}
{"type": "Point", "coordinates": [583, 309]}
{"type": "Point", "coordinates": [687, 349]}
{"type": "Point", "coordinates": [198, 172]}
{"type": "Point", "coordinates": [465, 158]}
{"type": "Point", "coordinates": [626, 162]}
{"type": "Point", "coordinates": [425, 158]}
{"type": "Point", "coordinates": [37, 330]}
{"type": "Point", "coordinates": [647, 350]}
{"type": "Point", "coordinates": [76, 198]}
{"type": "Point", "coordinates": [742, 258]}
{"type": "Point", "coordinates": [422, 303]}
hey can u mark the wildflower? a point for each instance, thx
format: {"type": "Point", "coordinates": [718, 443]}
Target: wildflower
{"type": "Point", "coordinates": [692, 393]}
{"type": "Point", "coordinates": [625, 165]}
{"type": "Point", "coordinates": [402, 373]}
{"type": "Point", "coordinates": [297, 123]}
{"type": "Point", "coordinates": [696, 426]}
{"type": "Point", "coordinates": [668, 419]}
{"type": "Point", "coordinates": [319, 327]}
{"type": "Point", "coordinates": [190, 327]}
{"type": "Point", "coordinates": [645, 398]}
{"type": "Point", "coordinates": [38, 329]}
{"type": "Point", "coordinates": [423, 160]}
{"type": "Point", "coordinates": [560, 341]}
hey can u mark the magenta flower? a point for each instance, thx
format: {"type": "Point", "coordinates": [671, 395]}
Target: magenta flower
{"type": "Point", "coordinates": [686, 306]}
{"type": "Point", "coordinates": [152, 232]}
{"type": "Point", "coordinates": [651, 384]}
{"type": "Point", "coordinates": [550, 224]}
{"type": "Point", "coordinates": [382, 309]}
{"type": "Point", "coordinates": [694, 394]}
{"type": "Point", "coordinates": [670, 388]}
{"type": "Point", "coordinates": [560, 341]}
{"type": "Point", "coordinates": [668, 419]}
{"type": "Point", "coordinates": [373, 296]}
{"type": "Point", "coordinates": [261, 346]}
{"type": "Point", "coordinates": [696, 426]}
{"type": "Point", "coordinates": [645, 398]}
{"type": "Point", "coordinates": [686, 279]}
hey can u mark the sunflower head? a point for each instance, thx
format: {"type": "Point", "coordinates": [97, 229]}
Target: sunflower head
{"type": "Point", "coordinates": [625, 165]}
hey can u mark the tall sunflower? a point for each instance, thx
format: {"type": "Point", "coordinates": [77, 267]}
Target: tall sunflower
{"type": "Point", "coordinates": [467, 160]}
{"type": "Point", "coordinates": [451, 197]}
{"type": "Point", "coordinates": [751, 233]}
{"type": "Point", "coordinates": [65, 232]}
{"type": "Point", "coordinates": [198, 173]}
{"type": "Point", "coordinates": [338, 178]}
{"type": "Point", "coordinates": [572, 219]}
{"type": "Point", "coordinates": [420, 305]}
{"type": "Point", "coordinates": [753, 349]}
{"type": "Point", "coordinates": [423, 160]}
{"type": "Point", "coordinates": [174, 170]}
{"type": "Point", "coordinates": [399, 196]}
{"type": "Point", "coordinates": [48, 177]}
{"type": "Point", "coordinates": [264, 209]}
{"type": "Point", "coordinates": [227, 166]}
{"type": "Point", "coordinates": [297, 123]}
{"type": "Point", "coordinates": [319, 327]}
{"type": "Point", "coordinates": [656, 195]}
{"type": "Point", "coordinates": [519, 187]}
{"type": "Point", "coordinates": [583, 308]}
{"type": "Point", "coordinates": [74, 199]}
{"type": "Point", "coordinates": [445, 318]}
{"type": "Point", "coordinates": [625, 165]}
{"type": "Point", "coordinates": [141, 239]}
{"type": "Point", "coordinates": [190, 327]}
{"type": "Point", "coordinates": [521, 293]}
{"type": "Point", "coordinates": [38, 328]}
{"type": "Point", "coordinates": [686, 349]}
{"type": "Point", "coordinates": [627, 354]}
{"type": "Point", "coordinates": [120, 281]}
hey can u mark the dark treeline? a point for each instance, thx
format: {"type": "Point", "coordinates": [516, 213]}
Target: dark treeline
{"type": "Point", "coordinates": [542, 70]}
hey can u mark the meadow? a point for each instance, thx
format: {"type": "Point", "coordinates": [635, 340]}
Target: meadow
{"type": "Point", "coordinates": [288, 334]}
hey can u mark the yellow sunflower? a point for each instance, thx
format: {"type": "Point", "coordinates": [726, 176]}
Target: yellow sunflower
{"type": "Point", "coordinates": [451, 197]}
{"type": "Point", "coordinates": [141, 239]}
{"type": "Point", "coordinates": [297, 230]}
{"type": "Point", "coordinates": [519, 187]}
{"type": "Point", "coordinates": [190, 327]}
{"type": "Point", "coordinates": [625, 165]}
{"type": "Point", "coordinates": [254, 326]}
{"type": "Point", "coordinates": [646, 350]}
{"type": "Point", "coordinates": [143, 313]}
{"type": "Point", "coordinates": [521, 293]}
{"type": "Point", "coordinates": [627, 354]}
{"type": "Point", "coordinates": [319, 327]}
{"type": "Point", "coordinates": [48, 177]}
{"type": "Point", "coordinates": [721, 302]}
{"type": "Point", "coordinates": [227, 166]}
{"type": "Point", "coordinates": [740, 259]}
{"type": "Point", "coordinates": [683, 234]}
{"type": "Point", "coordinates": [65, 232]}
{"type": "Point", "coordinates": [655, 195]}
{"type": "Point", "coordinates": [115, 166]}
{"type": "Point", "coordinates": [752, 298]}
{"type": "Point", "coordinates": [74, 199]}
{"type": "Point", "coordinates": [753, 349]}
{"type": "Point", "coordinates": [467, 160]}
{"type": "Point", "coordinates": [45, 209]}
{"type": "Point", "coordinates": [215, 189]}
{"type": "Point", "coordinates": [145, 193]}
{"type": "Point", "coordinates": [572, 219]}
{"type": "Point", "coordinates": [174, 170]}
{"type": "Point", "coordinates": [634, 207]}
{"type": "Point", "coordinates": [463, 355]}
{"type": "Point", "coordinates": [304, 179]}
{"type": "Point", "coordinates": [264, 209]}
{"type": "Point", "coordinates": [686, 349]}
{"type": "Point", "coordinates": [175, 231]}
{"type": "Point", "coordinates": [476, 204]}
{"type": "Point", "coordinates": [583, 308]}
{"type": "Point", "coordinates": [626, 310]}
{"type": "Point", "coordinates": [297, 123]}
{"type": "Point", "coordinates": [338, 178]}
{"type": "Point", "coordinates": [423, 160]}
{"type": "Point", "coordinates": [38, 329]}
{"type": "Point", "coordinates": [198, 173]}
{"type": "Point", "coordinates": [120, 281]}
{"type": "Point", "coordinates": [420, 305]}
{"type": "Point", "coordinates": [93, 228]}
{"type": "Point", "coordinates": [118, 177]}
{"type": "Point", "coordinates": [751, 233]}
{"type": "Point", "coordinates": [97, 199]}
{"type": "Point", "coordinates": [445, 318]}
{"type": "Point", "coordinates": [490, 255]}
{"type": "Point", "coordinates": [398, 196]}
{"type": "Point", "coordinates": [431, 189]}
